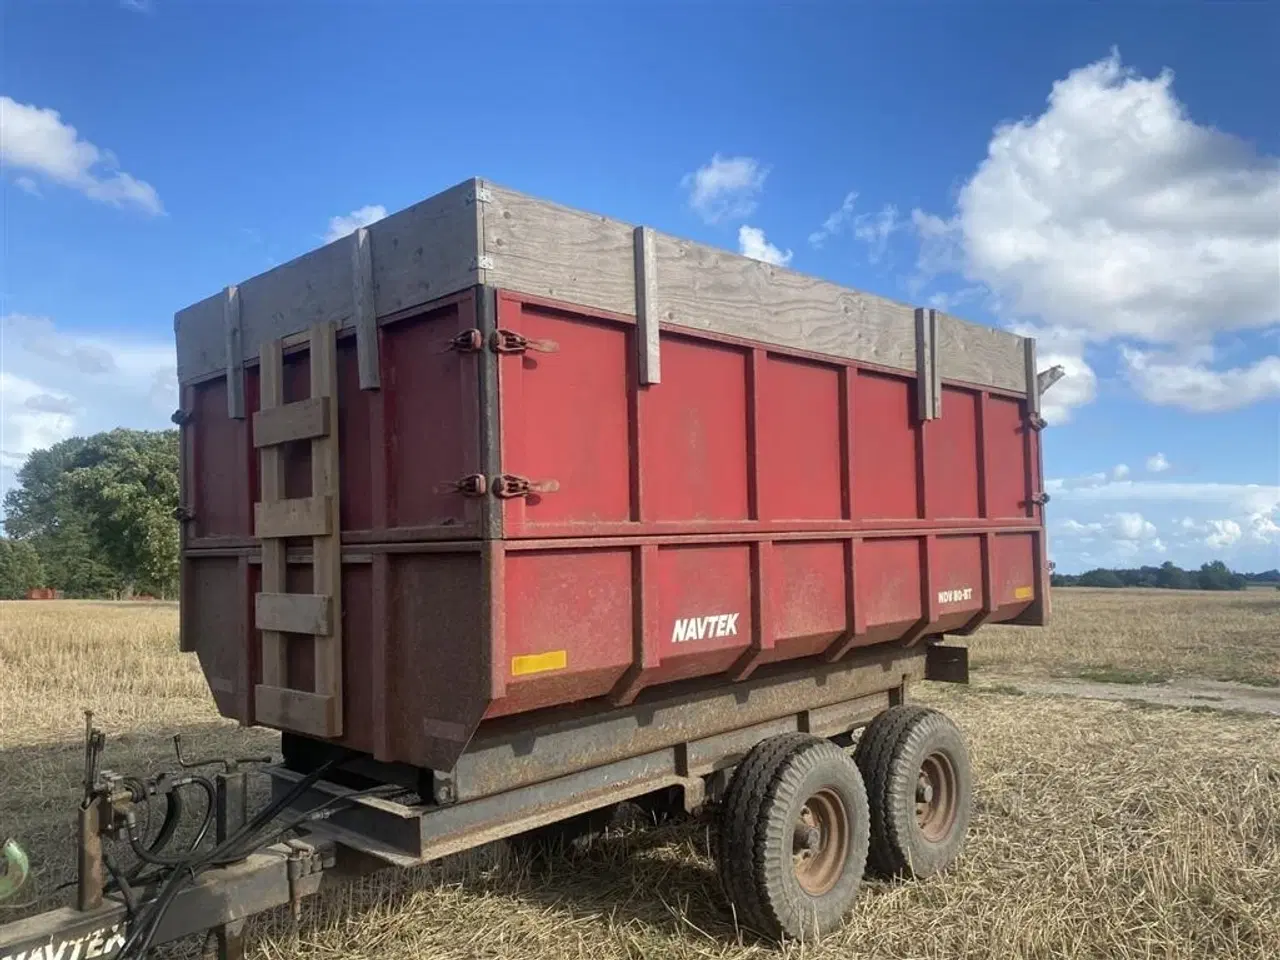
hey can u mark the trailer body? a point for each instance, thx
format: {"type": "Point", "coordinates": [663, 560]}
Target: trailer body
{"type": "Point", "coordinates": [576, 465]}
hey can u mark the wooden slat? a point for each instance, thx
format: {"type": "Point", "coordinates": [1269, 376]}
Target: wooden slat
{"type": "Point", "coordinates": [1033, 381]}
{"type": "Point", "coordinates": [292, 421]}
{"type": "Point", "coordinates": [294, 613]}
{"type": "Point", "coordinates": [363, 309]}
{"type": "Point", "coordinates": [274, 559]}
{"type": "Point", "coordinates": [297, 710]}
{"type": "Point", "coordinates": [234, 330]}
{"type": "Point", "coordinates": [928, 373]}
{"type": "Point", "coordinates": [327, 550]}
{"type": "Point", "coordinates": [650, 364]}
{"type": "Point", "coordinates": [297, 517]}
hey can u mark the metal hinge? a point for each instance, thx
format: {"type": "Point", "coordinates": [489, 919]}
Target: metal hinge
{"type": "Point", "coordinates": [508, 341]}
{"type": "Point", "coordinates": [472, 485]}
{"type": "Point", "coordinates": [479, 195]}
{"type": "Point", "coordinates": [468, 341]}
{"type": "Point", "coordinates": [183, 514]}
{"type": "Point", "coordinates": [181, 417]}
{"type": "Point", "coordinates": [1040, 499]}
{"type": "Point", "coordinates": [482, 263]}
{"type": "Point", "coordinates": [507, 486]}
{"type": "Point", "coordinates": [1036, 422]}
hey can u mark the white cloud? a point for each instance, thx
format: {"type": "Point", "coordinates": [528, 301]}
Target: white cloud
{"type": "Point", "coordinates": [38, 336]}
{"type": "Point", "coordinates": [1263, 526]}
{"type": "Point", "coordinates": [340, 227]}
{"type": "Point", "coordinates": [1120, 471]}
{"type": "Point", "coordinates": [836, 221]}
{"type": "Point", "coordinates": [726, 188]}
{"type": "Point", "coordinates": [76, 384]}
{"type": "Point", "coordinates": [876, 229]}
{"type": "Point", "coordinates": [1158, 463]}
{"type": "Point", "coordinates": [137, 6]}
{"type": "Point", "coordinates": [38, 140]}
{"type": "Point", "coordinates": [27, 185]}
{"type": "Point", "coordinates": [1132, 526]}
{"type": "Point", "coordinates": [1116, 216]}
{"type": "Point", "coordinates": [752, 243]}
{"type": "Point", "coordinates": [30, 418]}
{"type": "Point", "coordinates": [1061, 347]}
{"type": "Point", "coordinates": [1223, 533]}
{"type": "Point", "coordinates": [1195, 386]}
{"type": "Point", "coordinates": [1244, 498]}
{"type": "Point", "coordinates": [1076, 527]}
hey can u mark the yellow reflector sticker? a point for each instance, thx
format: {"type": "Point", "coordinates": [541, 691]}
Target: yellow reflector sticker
{"type": "Point", "coordinates": [1023, 593]}
{"type": "Point", "coordinates": [539, 662]}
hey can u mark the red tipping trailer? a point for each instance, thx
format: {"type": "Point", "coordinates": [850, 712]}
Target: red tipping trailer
{"type": "Point", "coordinates": [542, 501]}
{"type": "Point", "coordinates": [523, 512]}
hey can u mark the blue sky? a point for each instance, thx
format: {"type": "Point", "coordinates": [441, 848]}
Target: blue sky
{"type": "Point", "coordinates": [1104, 176]}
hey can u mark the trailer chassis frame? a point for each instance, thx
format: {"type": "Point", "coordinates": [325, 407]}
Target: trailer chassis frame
{"type": "Point", "coordinates": [367, 833]}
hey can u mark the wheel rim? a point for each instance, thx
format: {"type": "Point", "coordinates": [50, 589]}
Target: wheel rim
{"type": "Point", "coordinates": [937, 797]}
{"type": "Point", "coordinates": [820, 844]}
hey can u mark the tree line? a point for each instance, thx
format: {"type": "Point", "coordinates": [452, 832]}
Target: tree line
{"type": "Point", "coordinates": [94, 517]}
{"type": "Point", "coordinates": [1169, 576]}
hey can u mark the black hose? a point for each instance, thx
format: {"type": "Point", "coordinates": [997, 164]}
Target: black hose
{"type": "Point", "coordinates": [149, 854]}
{"type": "Point", "coordinates": [312, 814]}
{"type": "Point", "coordinates": [142, 932]}
{"type": "Point", "coordinates": [174, 809]}
{"type": "Point", "coordinates": [122, 883]}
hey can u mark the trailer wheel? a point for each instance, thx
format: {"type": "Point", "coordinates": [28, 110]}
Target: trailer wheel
{"type": "Point", "coordinates": [920, 790]}
{"type": "Point", "coordinates": [793, 837]}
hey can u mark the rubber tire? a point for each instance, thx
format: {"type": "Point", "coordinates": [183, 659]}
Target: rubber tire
{"type": "Point", "coordinates": [890, 754]}
{"type": "Point", "coordinates": [754, 851]}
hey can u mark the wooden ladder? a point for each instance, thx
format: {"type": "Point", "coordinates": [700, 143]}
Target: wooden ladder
{"type": "Point", "coordinates": [276, 611]}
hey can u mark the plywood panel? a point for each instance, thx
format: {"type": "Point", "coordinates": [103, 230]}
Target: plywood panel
{"type": "Point", "coordinates": [419, 254]}
{"type": "Point", "coordinates": [548, 250]}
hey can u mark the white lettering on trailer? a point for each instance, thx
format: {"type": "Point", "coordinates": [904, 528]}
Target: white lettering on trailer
{"type": "Point", "coordinates": [702, 628]}
{"type": "Point", "coordinates": [97, 945]}
{"type": "Point", "coordinates": [955, 596]}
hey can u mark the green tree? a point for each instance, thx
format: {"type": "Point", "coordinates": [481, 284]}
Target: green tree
{"type": "Point", "coordinates": [125, 482]}
{"type": "Point", "coordinates": [99, 512]}
{"type": "Point", "coordinates": [20, 569]}
{"type": "Point", "coordinates": [40, 511]}
{"type": "Point", "coordinates": [1172, 577]}
{"type": "Point", "coordinates": [1101, 578]}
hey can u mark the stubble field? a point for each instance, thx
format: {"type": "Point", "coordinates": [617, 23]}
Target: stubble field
{"type": "Point", "coordinates": [1102, 828]}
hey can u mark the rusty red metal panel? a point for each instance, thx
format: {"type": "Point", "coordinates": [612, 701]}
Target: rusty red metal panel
{"type": "Point", "coordinates": [1015, 571]}
{"type": "Point", "coordinates": [810, 600]}
{"type": "Point", "coordinates": [953, 457]}
{"type": "Point", "coordinates": [220, 496]}
{"type": "Point", "coordinates": [801, 443]}
{"type": "Point", "coordinates": [565, 417]}
{"type": "Point", "coordinates": [885, 485]}
{"type": "Point", "coordinates": [431, 420]}
{"type": "Point", "coordinates": [355, 420]}
{"type": "Point", "coordinates": [956, 579]}
{"type": "Point", "coordinates": [569, 620]}
{"type": "Point", "coordinates": [705, 610]}
{"type": "Point", "coordinates": [889, 581]}
{"type": "Point", "coordinates": [696, 429]}
{"type": "Point", "coordinates": [1006, 453]}
{"type": "Point", "coordinates": [438, 661]}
